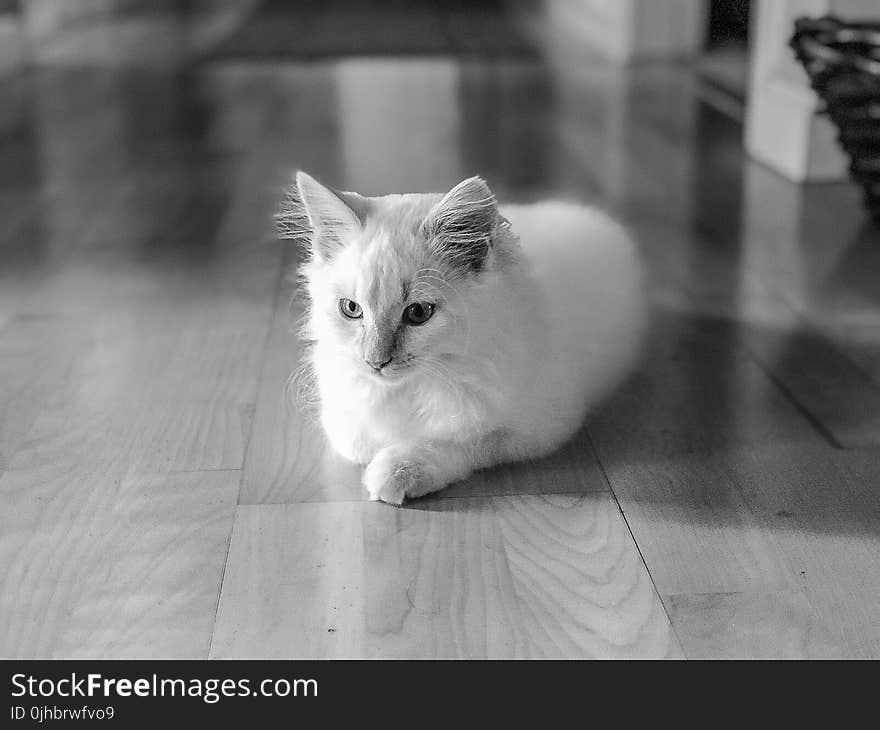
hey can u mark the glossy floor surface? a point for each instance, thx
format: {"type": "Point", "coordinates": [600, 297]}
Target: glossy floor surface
{"type": "Point", "coordinates": [162, 494]}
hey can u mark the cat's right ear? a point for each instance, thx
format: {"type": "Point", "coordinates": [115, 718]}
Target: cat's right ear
{"type": "Point", "coordinates": [325, 218]}
{"type": "Point", "coordinates": [460, 227]}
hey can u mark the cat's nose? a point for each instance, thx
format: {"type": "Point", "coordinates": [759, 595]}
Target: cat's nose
{"type": "Point", "coordinates": [378, 364]}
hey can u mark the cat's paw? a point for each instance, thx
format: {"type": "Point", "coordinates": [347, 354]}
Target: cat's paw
{"type": "Point", "coordinates": [391, 476]}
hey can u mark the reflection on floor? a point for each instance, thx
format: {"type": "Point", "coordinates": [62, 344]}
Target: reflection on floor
{"type": "Point", "coordinates": [162, 496]}
{"type": "Point", "coordinates": [329, 29]}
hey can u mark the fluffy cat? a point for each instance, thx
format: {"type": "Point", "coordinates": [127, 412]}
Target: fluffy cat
{"type": "Point", "coordinates": [449, 334]}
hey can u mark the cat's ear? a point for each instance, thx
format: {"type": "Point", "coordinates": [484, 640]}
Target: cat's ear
{"type": "Point", "coordinates": [460, 227]}
{"type": "Point", "coordinates": [326, 218]}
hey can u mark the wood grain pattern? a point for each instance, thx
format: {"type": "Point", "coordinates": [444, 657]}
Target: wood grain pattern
{"type": "Point", "coordinates": [24, 389]}
{"type": "Point", "coordinates": [288, 459]}
{"type": "Point", "coordinates": [98, 565]}
{"type": "Point", "coordinates": [697, 533]}
{"type": "Point", "coordinates": [769, 534]}
{"type": "Point", "coordinates": [835, 392]}
{"type": "Point", "coordinates": [835, 558]}
{"type": "Point", "coordinates": [516, 576]}
{"type": "Point", "coordinates": [723, 508]}
{"type": "Point", "coordinates": [822, 509]}
{"type": "Point", "coordinates": [750, 625]}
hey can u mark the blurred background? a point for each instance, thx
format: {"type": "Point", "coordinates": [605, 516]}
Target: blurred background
{"type": "Point", "coordinates": [407, 95]}
{"type": "Point", "coordinates": [381, 96]}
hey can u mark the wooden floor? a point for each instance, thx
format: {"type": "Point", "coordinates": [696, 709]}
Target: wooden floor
{"type": "Point", "coordinates": [163, 494]}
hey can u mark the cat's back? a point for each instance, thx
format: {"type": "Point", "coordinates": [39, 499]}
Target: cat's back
{"type": "Point", "coordinates": [568, 239]}
{"type": "Point", "coordinates": [578, 247]}
{"type": "Point", "coordinates": [591, 283]}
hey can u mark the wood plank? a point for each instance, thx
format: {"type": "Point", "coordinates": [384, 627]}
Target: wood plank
{"type": "Point", "coordinates": [38, 234]}
{"type": "Point", "coordinates": [166, 377]}
{"type": "Point", "coordinates": [98, 565]}
{"type": "Point", "coordinates": [797, 271]}
{"type": "Point", "coordinates": [814, 246]}
{"type": "Point", "coordinates": [695, 530]}
{"type": "Point", "coordinates": [745, 542]}
{"type": "Point", "coordinates": [788, 480]}
{"type": "Point", "coordinates": [835, 558]}
{"type": "Point", "coordinates": [171, 351]}
{"type": "Point", "coordinates": [24, 389]}
{"type": "Point", "coordinates": [163, 337]}
{"type": "Point", "coordinates": [712, 467]}
{"type": "Point", "coordinates": [822, 508]}
{"type": "Point", "coordinates": [836, 394]}
{"type": "Point", "coordinates": [840, 398]}
{"type": "Point", "coordinates": [543, 576]}
{"type": "Point", "coordinates": [661, 441]}
{"type": "Point", "coordinates": [748, 294]}
{"type": "Point", "coordinates": [695, 392]}
{"type": "Point", "coordinates": [288, 458]}
{"type": "Point", "coordinates": [750, 625]}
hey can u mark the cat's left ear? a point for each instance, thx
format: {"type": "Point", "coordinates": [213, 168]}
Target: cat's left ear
{"type": "Point", "coordinates": [461, 226]}
{"type": "Point", "coordinates": [327, 218]}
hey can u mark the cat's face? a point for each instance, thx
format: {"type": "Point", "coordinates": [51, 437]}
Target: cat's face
{"type": "Point", "coordinates": [385, 310]}
{"type": "Point", "coordinates": [391, 280]}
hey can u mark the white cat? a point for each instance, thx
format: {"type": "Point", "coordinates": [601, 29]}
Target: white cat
{"type": "Point", "coordinates": [450, 335]}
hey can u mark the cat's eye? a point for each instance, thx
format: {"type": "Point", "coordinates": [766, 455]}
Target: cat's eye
{"type": "Point", "coordinates": [350, 309]}
{"type": "Point", "coordinates": [418, 313]}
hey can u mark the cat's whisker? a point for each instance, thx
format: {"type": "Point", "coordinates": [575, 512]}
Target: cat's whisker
{"type": "Point", "coordinates": [425, 274]}
{"type": "Point", "coordinates": [300, 388]}
{"type": "Point", "coordinates": [438, 277]}
{"type": "Point", "coordinates": [429, 290]}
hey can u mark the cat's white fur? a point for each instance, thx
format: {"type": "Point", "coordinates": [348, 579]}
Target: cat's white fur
{"type": "Point", "coordinates": [539, 313]}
